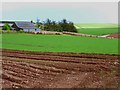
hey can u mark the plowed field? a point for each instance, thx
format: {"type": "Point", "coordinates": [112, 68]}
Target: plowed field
{"type": "Point", "coordinates": [23, 69]}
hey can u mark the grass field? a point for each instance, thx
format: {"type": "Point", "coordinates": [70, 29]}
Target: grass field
{"type": "Point", "coordinates": [97, 25]}
{"type": "Point", "coordinates": [97, 29]}
{"type": "Point", "coordinates": [59, 43]}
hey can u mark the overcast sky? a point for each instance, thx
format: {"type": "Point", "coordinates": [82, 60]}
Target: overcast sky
{"type": "Point", "coordinates": [78, 12]}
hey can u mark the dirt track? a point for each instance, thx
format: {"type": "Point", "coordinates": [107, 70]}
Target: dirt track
{"type": "Point", "coordinates": [114, 35]}
{"type": "Point", "coordinates": [59, 70]}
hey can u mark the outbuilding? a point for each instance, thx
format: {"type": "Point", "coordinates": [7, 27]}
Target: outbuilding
{"type": "Point", "coordinates": [2, 23]}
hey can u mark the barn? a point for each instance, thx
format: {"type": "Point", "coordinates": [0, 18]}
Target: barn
{"type": "Point", "coordinates": [25, 26]}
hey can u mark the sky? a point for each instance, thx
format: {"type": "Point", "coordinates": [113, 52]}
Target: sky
{"type": "Point", "coordinates": [77, 12]}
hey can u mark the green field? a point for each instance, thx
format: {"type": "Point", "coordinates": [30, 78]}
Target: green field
{"type": "Point", "coordinates": [97, 25]}
{"type": "Point", "coordinates": [97, 29]}
{"type": "Point", "coordinates": [59, 43]}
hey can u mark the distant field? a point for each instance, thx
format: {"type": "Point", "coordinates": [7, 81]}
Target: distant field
{"type": "Point", "coordinates": [97, 29]}
{"type": "Point", "coordinates": [97, 25]}
{"type": "Point", "coordinates": [59, 43]}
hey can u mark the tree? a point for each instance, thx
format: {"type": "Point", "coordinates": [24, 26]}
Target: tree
{"type": "Point", "coordinates": [67, 26]}
{"type": "Point", "coordinates": [31, 21]}
{"type": "Point", "coordinates": [38, 20]}
{"type": "Point", "coordinates": [7, 27]}
{"type": "Point", "coordinates": [60, 26]}
{"type": "Point", "coordinates": [71, 27]}
{"type": "Point", "coordinates": [48, 21]}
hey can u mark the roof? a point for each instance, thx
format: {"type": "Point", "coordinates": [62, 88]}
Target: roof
{"type": "Point", "coordinates": [7, 22]}
{"type": "Point", "coordinates": [2, 24]}
{"type": "Point", "coordinates": [25, 24]}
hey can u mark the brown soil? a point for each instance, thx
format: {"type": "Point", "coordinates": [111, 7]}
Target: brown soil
{"type": "Point", "coordinates": [114, 35]}
{"type": "Point", "coordinates": [23, 69]}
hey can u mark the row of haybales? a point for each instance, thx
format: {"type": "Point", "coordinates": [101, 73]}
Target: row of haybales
{"type": "Point", "coordinates": [87, 35]}
{"type": "Point", "coordinates": [68, 33]}
{"type": "Point", "coordinates": [49, 33]}
{"type": "Point", "coordinates": [79, 34]}
{"type": "Point", "coordinates": [105, 36]}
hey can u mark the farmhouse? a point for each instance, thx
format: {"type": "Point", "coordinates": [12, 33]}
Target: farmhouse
{"type": "Point", "coordinates": [22, 25]}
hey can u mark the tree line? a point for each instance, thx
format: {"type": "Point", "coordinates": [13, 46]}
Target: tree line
{"type": "Point", "coordinates": [60, 26]}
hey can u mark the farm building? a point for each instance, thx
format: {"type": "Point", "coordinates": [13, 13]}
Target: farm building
{"type": "Point", "coordinates": [22, 25]}
{"type": "Point", "coordinates": [25, 26]}
{"type": "Point", "coordinates": [2, 23]}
